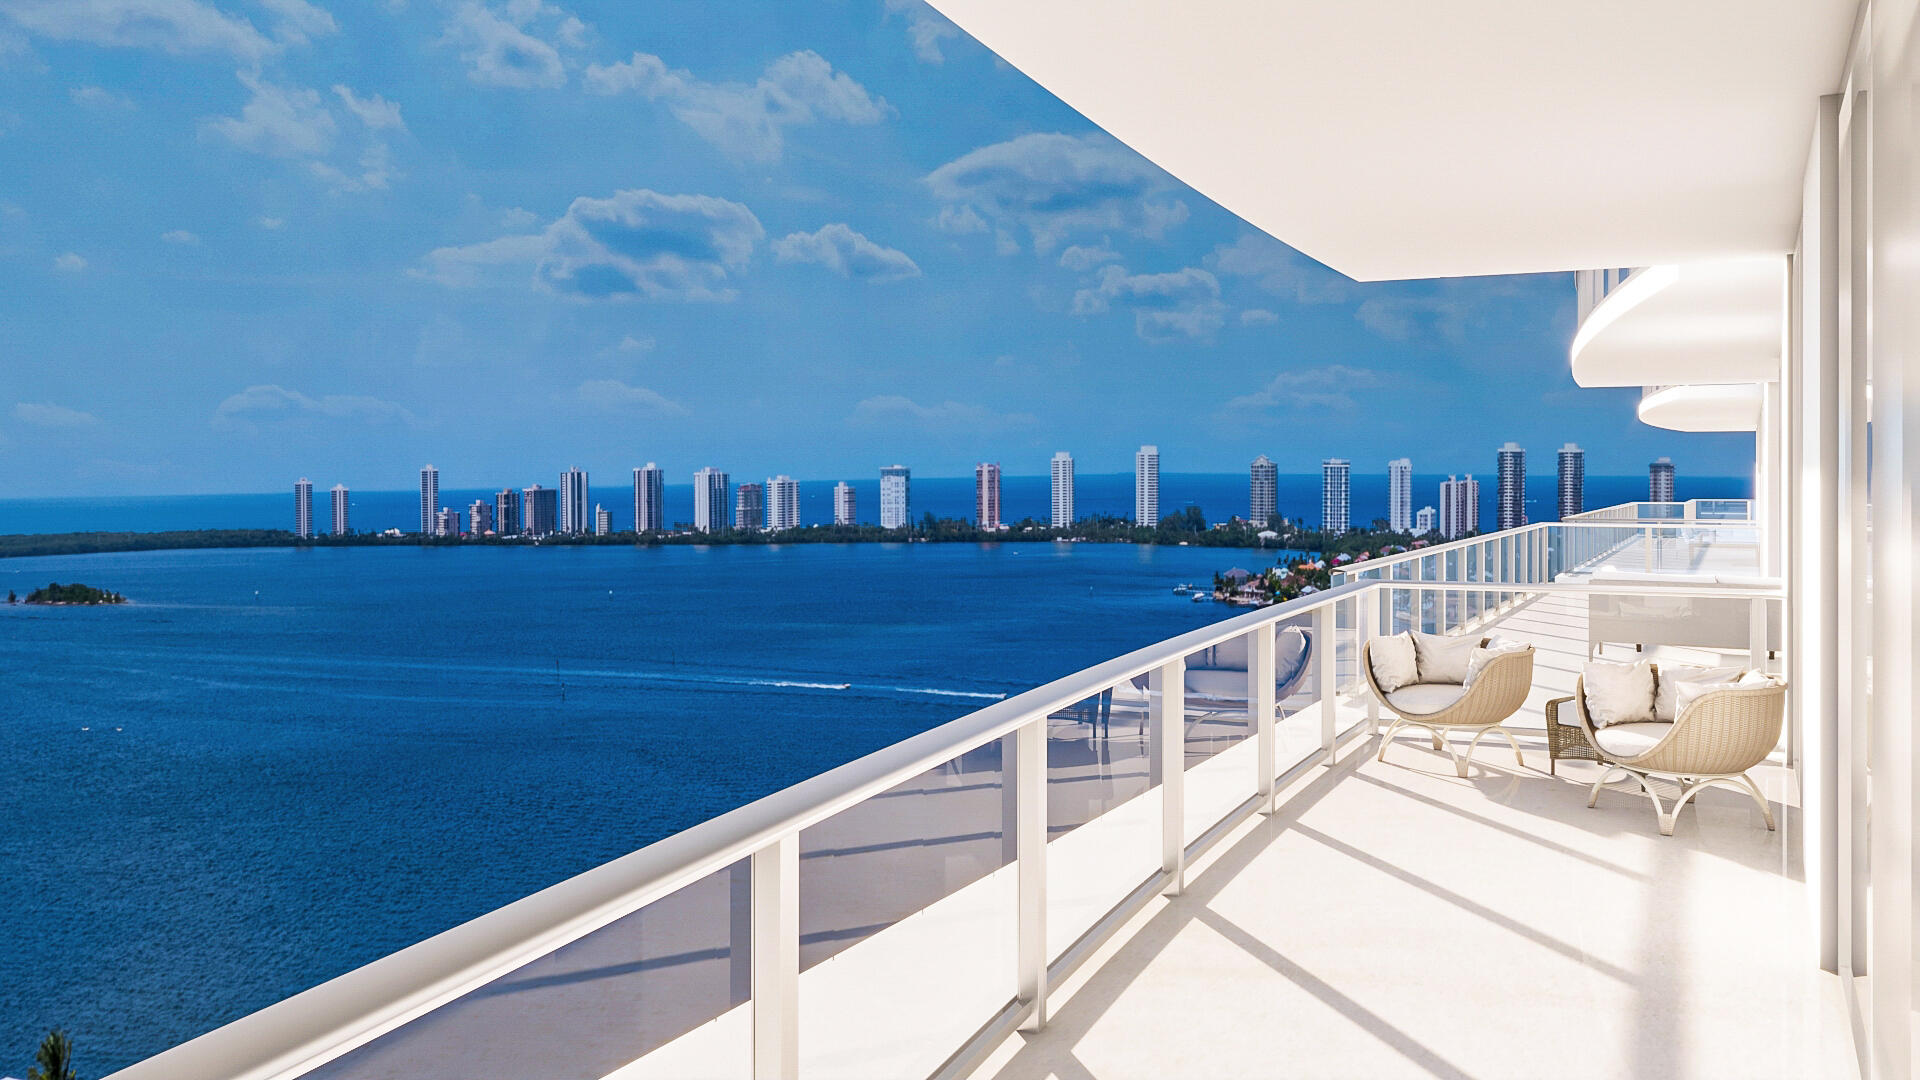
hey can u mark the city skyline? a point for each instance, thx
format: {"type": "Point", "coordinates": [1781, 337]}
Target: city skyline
{"type": "Point", "coordinates": [913, 200]}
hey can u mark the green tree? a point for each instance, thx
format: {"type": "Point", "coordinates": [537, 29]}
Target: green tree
{"type": "Point", "coordinates": [55, 1058]}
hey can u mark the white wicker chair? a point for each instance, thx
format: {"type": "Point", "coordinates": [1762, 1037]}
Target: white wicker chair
{"type": "Point", "coordinates": [1715, 741]}
{"type": "Point", "coordinates": [1497, 693]}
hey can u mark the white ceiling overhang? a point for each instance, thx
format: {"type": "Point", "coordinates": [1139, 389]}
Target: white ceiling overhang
{"type": "Point", "coordinates": [1704, 322]}
{"type": "Point", "coordinates": [1414, 138]}
{"type": "Point", "coordinates": [1723, 407]}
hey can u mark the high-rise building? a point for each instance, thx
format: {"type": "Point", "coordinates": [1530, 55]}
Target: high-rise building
{"type": "Point", "coordinates": [1062, 489]}
{"type": "Point", "coordinates": [340, 526]}
{"type": "Point", "coordinates": [1423, 521]}
{"type": "Point", "coordinates": [480, 518]}
{"type": "Point", "coordinates": [1263, 490]}
{"type": "Point", "coordinates": [1459, 507]}
{"type": "Point", "coordinates": [506, 513]}
{"type": "Point", "coordinates": [429, 498]}
{"type": "Point", "coordinates": [1573, 481]}
{"type": "Point", "coordinates": [843, 504]}
{"type": "Point", "coordinates": [895, 494]}
{"type": "Point", "coordinates": [1336, 495]}
{"type": "Point", "coordinates": [783, 503]}
{"type": "Point", "coordinates": [710, 501]}
{"type": "Point", "coordinates": [303, 508]}
{"type": "Point", "coordinates": [986, 494]}
{"type": "Point", "coordinates": [649, 498]}
{"type": "Point", "coordinates": [1511, 513]}
{"type": "Point", "coordinates": [602, 520]}
{"type": "Point", "coordinates": [446, 522]}
{"type": "Point", "coordinates": [1400, 495]}
{"type": "Point", "coordinates": [537, 511]}
{"type": "Point", "coordinates": [1146, 486]}
{"type": "Point", "coordinates": [750, 508]}
{"type": "Point", "coordinates": [573, 502]}
{"type": "Point", "coordinates": [1660, 481]}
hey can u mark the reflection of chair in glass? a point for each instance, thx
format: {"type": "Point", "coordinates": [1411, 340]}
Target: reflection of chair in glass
{"type": "Point", "coordinates": [1216, 678]}
{"type": "Point", "coordinates": [1497, 692]}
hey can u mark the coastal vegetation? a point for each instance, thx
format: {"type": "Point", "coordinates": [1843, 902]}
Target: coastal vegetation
{"type": "Point", "coordinates": [57, 593]}
{"type": "Point", "coordinates": [54, 1061]}
{"type": "Point", "coordinates": [1295, 576]}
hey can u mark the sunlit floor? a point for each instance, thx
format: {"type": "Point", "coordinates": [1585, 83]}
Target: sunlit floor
{"type": "Point", "coordinates": [1397, 920]}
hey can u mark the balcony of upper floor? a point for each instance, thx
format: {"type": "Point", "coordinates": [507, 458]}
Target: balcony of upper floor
{"type": "Point", "coordinates": [1702, 407]}
{"type": "Point", "coordinates": [1225, 880]}
{"type": "Point", "coordinates": [1707, 323]}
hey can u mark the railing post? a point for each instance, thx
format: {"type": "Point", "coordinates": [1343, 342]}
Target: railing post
{"type": "Point", "coordinates": [1646, 546]}
{"type": "Point", "coordinates": [1324, 624]}
{"type": "Point", "coordinates": [774, 879]}
{"type": "Point", "coordinates": [1260, 699]}
{"type": "Point", "coordinates": [1757, 634]}
{"type": "Point", "coordinates": [1167, 687]}
{"type": "Point", "coordinates": [1030, 831]}
{"type": "Point", "coordinates": [1369, 609]}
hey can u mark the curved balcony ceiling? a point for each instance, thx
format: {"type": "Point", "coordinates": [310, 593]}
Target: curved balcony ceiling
{"type": "Point", "coordinates": [1724, 407]}
{"type": "Point", "coordinates": [1408, 138]}
{"type": "Point", "coordinates": [1704, 322]}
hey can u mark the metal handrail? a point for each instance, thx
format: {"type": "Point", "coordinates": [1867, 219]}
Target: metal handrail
{"type": "Point", "coordinates": [305, 1031]}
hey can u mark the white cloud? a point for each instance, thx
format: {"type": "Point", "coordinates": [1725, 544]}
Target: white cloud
{"type": "Point", "coordinates": [376, 112]}
{"type": "Point", "coordinates": [612, 395]}
{"type": "Point", "coordinates": [1053, 185]}
{"type": "Point", "coordinates": [258, 404]}
{"type": "Point", "coordinates": [180, 236]}
{"type": "Point", "coordinates": [270, 222]}
{"type": "Point", "coordinates": [926, 28]}
{"type": "Point", "coordinates": [746, 121]}
{"type": "Point", "coordinates": [280, 121]}
{"type": "Point", "coordinates": [635, 243]}
{"type": "Point", "coordinates": [1081, 259]}
{"type": "Point", "coordinates": [1401, 318]}
{"type": "Point", "coordinates": [1328, 387]}
{"type": "Point", "coordinates": [1281, 270]}
{"type": "Point", "coordinates": [501, 49]}
{"type": "Point", "coordinates": [630, 343]}
{"type": "Point", "coordinates": [960, 219]}
{"type": "Point", "coordinates": [97, 97]}
{"type": "Point", "coordinates": [1182, 304]}
{"type": "Point", "coordinates": [48, 415]}
{"type": "Point", "coordinates": [894, 410]}
{"type": "Point", "coordinates": [295, 123]}
{"type": "Point", "coordinates": [175, 26]}
{"type": "Point", "coordinates": [515, 217]}
{"type": "Point", "coordinates": [1258, 317]}
{"type": "Point", "coordinates": [69, 263]}
{"type": "Point", "coordinates": [847, 253]}
{"type": "Point", "coordinates": [298, 20]}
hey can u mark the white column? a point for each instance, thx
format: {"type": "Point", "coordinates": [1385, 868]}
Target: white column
{"type": "Point", "coordinates": [1030, 831]}
{"type": "Point", "coordinates": [1260, 700]}
{"type": "Point", "coordinates": [1167, 687]}
{"type": "Point", "coordinates": [774, 881]}
{"type": "Point", "coordinates": [1369, 606]}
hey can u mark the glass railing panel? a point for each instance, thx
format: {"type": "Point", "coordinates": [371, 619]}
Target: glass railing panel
{"type": "Point", "coordinates": [650, 994]}
{"type": "Point", "coordinates": [1103, 808]}
{"type": "Point", "coordinates": [929, 862]}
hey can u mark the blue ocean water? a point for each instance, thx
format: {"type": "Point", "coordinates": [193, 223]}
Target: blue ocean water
{"type": "Point", "coordinates": [1218, 495]}
{"type": "Point", "coordinates": [275, 765]}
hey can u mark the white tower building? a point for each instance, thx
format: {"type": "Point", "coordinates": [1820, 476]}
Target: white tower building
{"type": "Point", "coordinates": [1459, 507]}
{"type": "Point", "coordinates": [340, 501]}
{"type": "Point", "coordinates": [710, 501]}
{"type": "Point", "coordinates": [1062, 489]}
{"type": "Point", "coordinates": [843, 504]}
{"type": "Point", "coordinates": [1573, 481]}
{"type": "Point", "coordinates": [1400, 495]}
{"type": "Point", "coordinates": [649, 498]}
{"type": "Point", "coordinates": [1146, 486]}
{"type": "Point", "coordinates": [895, 481]}
{"type": "Point", "coordinates": [303, 508]}
{"type": "Point", "coordinates": [429, 499]}
{"type": "Point", "coordinates": [573, 502]}
{"type": "Point", "coordinates": [1512, 510]}
{"type": "Point", "coordinates": [1336, 495]}
{"type": "Point", "coordinates": [1263, 490]}
{"type": "Point", "coordinates": [783, 503]}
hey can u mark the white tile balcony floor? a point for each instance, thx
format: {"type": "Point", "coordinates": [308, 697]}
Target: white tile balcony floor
{"type": "Point", "coordinates": [1397, 920]}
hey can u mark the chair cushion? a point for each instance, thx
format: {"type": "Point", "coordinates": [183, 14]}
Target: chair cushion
{"type": "Point", "coordinates": [1442, 658]}
{"type": "Point", "coordinates": [1216, 684]}
{"type": "Point", "coordinates": [1425, 699]}
{"type": "Point", "coordinates": [1479, 658]}
{"type": "Point", "coordinates": [1689, 692]}
{"type": "Point", "coordinates": [1290, 651]}
{"type": "Point", "coordinates": [1630, 740]}
{"type": "Point", "coordinates": [1394, 661]}
{"type": "Point", "coordinates": [1667, 682]}
{"type": "Point", "coordinates": [1618, 693]}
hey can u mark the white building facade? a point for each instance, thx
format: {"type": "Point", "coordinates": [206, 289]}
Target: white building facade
{"type": "Point", "coordinates": [845, 506]}
{"type": "Point", "coordinates": [1459, 507]}
{"type": "Point", "coordinates": [1512, 510]}
{"type": "Point", "coordinates": [1146, 486]}
{"type": "Point", "coordinates": [895, 496]}
{"type": "Point", "coordinates": [1336, 495]}
{"type": "Point", "coordinates": [303, 508]}
{"type": "Point", "coordinates": [1062, 489]}
{"type": "Point", "coordinates": [429, 498]}
{"type": "Point", "coordinates": [1572, 481]}
{"type": "Point", "coordinates": [341, 506]}
{"type": "Point", "coordinates": [710, 506]}
{"type": "Point", "coordinates": [783, 503]}
{"type": "Point", "coordinates": [1400, 495]}
{"type": "Point", "coordinates": [574, 519]}
{"type": "Point", "coordinates": [1263, 490]}
{"type": "Point", "coordinates": [986, 495]}
{"type": "Point", "coordinates": [649, 498]}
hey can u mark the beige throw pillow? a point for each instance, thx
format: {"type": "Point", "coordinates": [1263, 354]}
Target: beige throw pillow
{"type": "Point", "coordinates": [1668, 679]}
{"type": "Point", "coordinates": [1394, 665]}
{"type": "Point", "coordinates": [1443, 658]}
{"type": "Point", "coordinates": [1618, 693]}
{"type": "Point", "coordinates": [1478, 660]}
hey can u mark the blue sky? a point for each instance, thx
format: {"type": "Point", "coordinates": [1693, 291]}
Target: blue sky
{"type": "Point", "coordinates": [243, 241]}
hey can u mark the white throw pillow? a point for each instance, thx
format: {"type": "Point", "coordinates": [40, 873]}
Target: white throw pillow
{"type": "Point", "coordinates": [1668, 679]}
{"type": "Point", "coordinates": [1482, 656]}
{"type": "Point", "coordinates": [1442, 658]}
{"type": "Point", "coordinates": [1689, 692]}
{"type": "Point", "coordinates": [1393, 662]}
{"type": "Point", "coordinates": [1618, 693]}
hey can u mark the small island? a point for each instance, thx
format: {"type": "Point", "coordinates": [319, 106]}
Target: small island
{"type": "Point", "coordinates": [56, 593]}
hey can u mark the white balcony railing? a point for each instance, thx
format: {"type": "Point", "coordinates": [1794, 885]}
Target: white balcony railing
{"type": "Point", "coordinates": [924, 896]}
{"type": "Point", "coordinates": [1729, 510]}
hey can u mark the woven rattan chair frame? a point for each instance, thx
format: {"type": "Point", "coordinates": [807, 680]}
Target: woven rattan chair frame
{"type": "Point", "coordinates": [1497, 693]}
